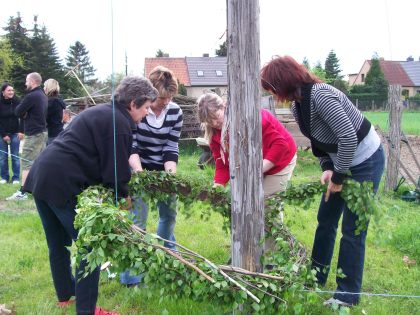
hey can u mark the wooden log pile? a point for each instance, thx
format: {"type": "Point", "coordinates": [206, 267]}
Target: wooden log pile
{"type": "Point", "coordinates": [190, 129]}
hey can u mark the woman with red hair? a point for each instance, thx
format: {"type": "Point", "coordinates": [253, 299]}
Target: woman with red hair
{"type": "Point", "coordinates": [347, 146]}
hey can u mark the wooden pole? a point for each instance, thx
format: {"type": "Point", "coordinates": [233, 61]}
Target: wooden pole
{"type": "Point", "coordinates": [244, 121]}
{"type": "Point", "coordinates": [394, 135]}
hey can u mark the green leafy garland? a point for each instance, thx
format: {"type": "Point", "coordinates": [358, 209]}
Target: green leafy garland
{"type": "Point", "coordinates": [109, 233]}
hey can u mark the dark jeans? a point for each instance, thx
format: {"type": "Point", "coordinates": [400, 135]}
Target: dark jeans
{"type": "Point", "coordinates": [4, 157]}
{"type": "Point", "coordinates": [60, 231]}
{"type": "Point", "coordinates": [351, 256]}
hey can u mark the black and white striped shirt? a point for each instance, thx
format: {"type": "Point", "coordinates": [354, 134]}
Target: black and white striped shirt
{"type": "Point", "coordinates": [158, 144]}
{"type": "Point", "coordinates": [335, 126]}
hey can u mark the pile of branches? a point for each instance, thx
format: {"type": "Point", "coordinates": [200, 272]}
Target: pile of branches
{"type": "Point", "coordinates": [111, 236]}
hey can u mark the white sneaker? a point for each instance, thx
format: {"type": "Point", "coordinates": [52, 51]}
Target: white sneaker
{"type": "Point", "coordinates": [15, 182]}
{"type": "Point", "coordinates": [332, 301]}
{"type": "Point", "coordinates": [18, 195]}
{"type": "Point", "coordinates": [3, 181]}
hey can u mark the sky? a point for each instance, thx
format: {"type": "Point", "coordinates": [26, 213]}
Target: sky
{"type": "Point", "coordinates": [111, 29]}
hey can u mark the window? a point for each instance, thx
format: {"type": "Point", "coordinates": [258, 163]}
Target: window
{"type": "Point", "coordinates": [219, 73]}
{"type": "Point", "coordinates": [200, 73]}
{"type": "Point", "coordinates": [363, 77]}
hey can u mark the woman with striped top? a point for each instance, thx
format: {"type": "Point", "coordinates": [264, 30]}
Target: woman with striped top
{"type": "Point", "coordinates": [155, 148]}
{"type": "Point", "coordinates": [347, 146]}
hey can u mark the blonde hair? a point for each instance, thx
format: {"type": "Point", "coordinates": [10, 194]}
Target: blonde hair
{"type": "Point", "coordinates": [208, 104]}
{"type": "Point", "coordinates": [51, 87]}
{"type": "Point", "coordinates": [164, 81]}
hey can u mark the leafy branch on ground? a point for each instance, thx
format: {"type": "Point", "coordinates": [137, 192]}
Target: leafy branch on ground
{"type": "Point", "coordinates": [111, 236]}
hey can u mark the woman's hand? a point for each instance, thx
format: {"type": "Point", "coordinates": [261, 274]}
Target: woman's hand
{"type": "Point", "coordinates": [127, 204]}
{"type": "Point", "coordinates": [332, 188]}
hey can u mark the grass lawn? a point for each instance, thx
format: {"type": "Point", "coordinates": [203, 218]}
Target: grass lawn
{"type": "Point", "coordinates": [410, 121]}
{"type": "Point", "coordinates": [25, 279]}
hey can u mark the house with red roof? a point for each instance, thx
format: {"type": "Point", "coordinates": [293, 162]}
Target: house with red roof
{"type": "Point", "coordinates": [198, 74]}
{"type": "Point", "coordinates": [404, 73]}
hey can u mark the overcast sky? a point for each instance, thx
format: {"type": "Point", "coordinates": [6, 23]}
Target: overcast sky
{"type": "Point", "coordinates": [300, 28]}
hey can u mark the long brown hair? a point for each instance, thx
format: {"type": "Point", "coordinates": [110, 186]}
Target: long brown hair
{"type": "Point", "coordinates": [283, 76]}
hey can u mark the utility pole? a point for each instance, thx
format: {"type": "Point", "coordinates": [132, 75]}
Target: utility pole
{"type": "Point", "coordinates": [126, 65]}
{"type": "Point", "coordinates": [245, 139]}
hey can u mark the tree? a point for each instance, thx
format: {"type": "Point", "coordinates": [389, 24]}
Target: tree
{"type": "Point", "coordinates": [6, 59]}
{"type": "Point", "coordinates": [375, 79]}
{"type": "Point", "coordinates": [160, 53]}
{"type": "Point", "coordinates": [78, 55]}
{"type": "Point", "coordinates": [332, 68]}
{"type": "Point", "coordinates": [319, 71]}
{"type": "Point", "coordinates": [182, 90]}
{"type": "Point", "coordinates": [222, 51]}
{"type": "Point", "coordinates": [19, 41]}
{"type": "Point", "coordinates": [305, 62]}
{"type": "Point", "coordinates": [45, 59]}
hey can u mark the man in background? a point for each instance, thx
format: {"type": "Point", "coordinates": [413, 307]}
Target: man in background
{"type": "Point", "coordinates": [33, 110]}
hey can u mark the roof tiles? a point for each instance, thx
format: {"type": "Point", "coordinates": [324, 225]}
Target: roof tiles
{"type": "Point", "coordinates": [177, 65]}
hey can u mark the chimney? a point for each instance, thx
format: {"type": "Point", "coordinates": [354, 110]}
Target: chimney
{"type": "Point", "coordinates": [206, 55]}
{"type": "Point", "coordinates": [166, 55]}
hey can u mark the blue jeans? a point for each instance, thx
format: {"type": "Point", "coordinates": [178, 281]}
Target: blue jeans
{"type": "Point", "coordinates": [351, 255]}
{"type": "Point", "coordinates": [4, 158]}
{"type": "Point", "coordinates": [166, 225]}
{"type": "Point", "coordinates": [59, 231]}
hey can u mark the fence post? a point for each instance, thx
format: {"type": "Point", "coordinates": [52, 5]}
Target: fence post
{"type": "Point", "coordinates": [394, 136]}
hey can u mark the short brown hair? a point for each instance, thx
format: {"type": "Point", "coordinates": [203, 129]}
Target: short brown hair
{"type": "Point", "coordinates": [164, 81]}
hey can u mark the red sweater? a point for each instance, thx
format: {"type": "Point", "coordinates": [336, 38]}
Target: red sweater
{"type": "Point", "coordinates": [278, 146]}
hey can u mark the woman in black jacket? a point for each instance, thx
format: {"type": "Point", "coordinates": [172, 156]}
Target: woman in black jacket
{"type": "Point", "coordinates": [56, 107]}
{"type": "Point", "coordinates": [11, 132]}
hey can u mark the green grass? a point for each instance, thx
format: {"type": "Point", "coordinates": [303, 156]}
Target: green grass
{"type": "Point", "coordinates": [410, 121]}
{"type": "Point", "coordinates": [25, 278]}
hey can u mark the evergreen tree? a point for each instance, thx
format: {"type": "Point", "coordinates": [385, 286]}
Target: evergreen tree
{"type": "Point", "coordinates": [332, 68]}
{"type": "Point", "coordinates": [222, 51]}
{"type": "Point", "coordinates": [305, 62]}
{"type": "Point", "coordinates": [19, 42]}
{"type": "Point", "coordinates": [159, 53]}
{"type": "Point", "coordinates": [45, 59]}
{"type": "Point", "coordinates": [375, 79]}
{"type": "Point", "coordinates": [78, 55]}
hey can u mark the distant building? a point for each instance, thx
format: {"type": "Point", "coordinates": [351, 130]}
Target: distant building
{"type": "Point", "coordinates": [198, 74]}
{"type": "Point", "coordinates": [404, 73]}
